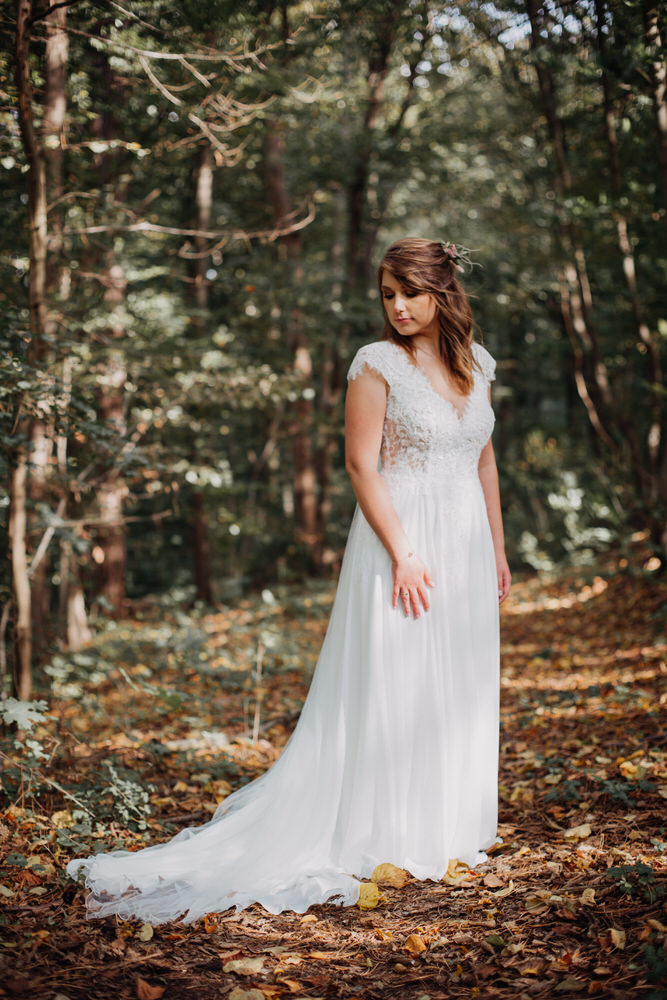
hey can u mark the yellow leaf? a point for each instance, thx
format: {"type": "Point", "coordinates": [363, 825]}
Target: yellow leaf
{"type": "Point", "coordinates": [180, 786]}
{"type": "Point", "coordinates": [587, 896]}
{"type": "Point", "coordinates": [388, 874]}
{"type": "Point", "coordinates": [309, 918]}
{"type": "Point", "coordinates": [504, 892]}
{"type": "Point", "coordinates": [415, 944]}
{"type": "Point", "coordinates": [245, 966]}
{"type": "Point", "coordinates": [656, 925]}
{"type": "Point", "coordinates": [456, 873]}
{"type": "Point", "coordinates": [578, 832]}
{"type": "Point", "coordinates": [369, 896]}
{"type": "Point", "coordinates": [145, 932]}
{"type": "Point", "coordinates": [618, 938]}
{"type": "Point", "coordinates": [62, 819]}
{"type": "Point", "coordinates": [383, 935]}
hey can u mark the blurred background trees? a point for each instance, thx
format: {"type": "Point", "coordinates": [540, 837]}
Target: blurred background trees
{"type": "Point", "coordinates": [194, 201]}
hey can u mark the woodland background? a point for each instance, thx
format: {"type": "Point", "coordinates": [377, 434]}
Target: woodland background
{"type": "Point", "coordinates": [194, 197]}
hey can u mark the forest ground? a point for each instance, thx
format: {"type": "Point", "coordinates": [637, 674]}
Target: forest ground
{"type": "Point", "coordinates": [152, 725]}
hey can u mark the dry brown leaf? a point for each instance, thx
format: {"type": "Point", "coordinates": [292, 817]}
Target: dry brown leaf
{"type": "Point", "coordinates": [588, 897]}
{"type": "Point", "coordinates": [492, 881]}
{"type": "Point", "coordinates": [383, 935]}
{"type": "Point", "coordinates": [504, 892]}
{"type": "Point", "coordinates": [291, 985]}
{"type": "Point", "coordinates": [618, 938]}
{"type": "Point", "coordinates": [239, 994]}
{"type": "Point", "coordinates": [456, 873]}
{"type": "Point", "coordinates": [147, 992]}
{"type": "Point", "coordinates": [245, 966]}
{"type": "Point", "coordinates": [578, 832]}
{"type": "Point", "coordinates": [388, 874]}
{"type": "Point", "coordinates": [309, 918]}
{"type": "Point", "coordinates": [415, 944]}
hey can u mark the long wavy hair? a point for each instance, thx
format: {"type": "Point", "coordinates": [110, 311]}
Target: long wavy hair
{"type": "Point", "coordinates": [423, 266]}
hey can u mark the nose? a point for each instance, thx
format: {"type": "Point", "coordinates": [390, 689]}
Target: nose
{"type": "Point", "coordinates": [399, 304]}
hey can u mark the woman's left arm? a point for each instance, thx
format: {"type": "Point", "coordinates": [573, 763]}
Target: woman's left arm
{"type": "Point", "coordinates": [488, 475]}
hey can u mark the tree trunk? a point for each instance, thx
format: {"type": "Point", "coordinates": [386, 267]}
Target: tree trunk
{"type": "Point", "coordinates": [198, 517]}
{"type": "Point", "coordinates": [305, 497]}
{"type": "Point", "coordinates": [658, 74]}
{"type": "Point", "coordinates": [111, 555]}
{"type": "Point", "coordinates": [33, 430]}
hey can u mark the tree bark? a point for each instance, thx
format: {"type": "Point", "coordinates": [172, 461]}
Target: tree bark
{"type": "Point", "coordinates": [32, 430]}
{"type": "Point", "coordinates": [305, 480]}
{"type": "Point", "coordinates": [198, 516]}
{"type": "Point", "coordinates": [658, 75]}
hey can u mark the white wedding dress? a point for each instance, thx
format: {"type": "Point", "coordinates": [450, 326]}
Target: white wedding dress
{"type": "Point", "coordinates": [395, 754]}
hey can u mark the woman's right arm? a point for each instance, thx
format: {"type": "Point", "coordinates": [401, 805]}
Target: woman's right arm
{"type": "Point", "coordinates": [365, 407]}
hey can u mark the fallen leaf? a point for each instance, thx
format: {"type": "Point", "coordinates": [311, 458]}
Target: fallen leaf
{"type": "Point", "coordinates": [588, 897]}
{"type": "Point", "coordinates": [245, 966]}
{"type": "Point", "coordinates": [369, 896]}
{"type": "Point", "coordinates": [309, 918]}
{"type": "Point", "coordinates": [492, 881]}
{"type": "Point", "coordinates": [578, 832]}
{"type": "Point", "coordinates": [388, 874]}
{"type": "Point", "coordinates": [147, 992]}
{"type": "Point", "coordinates": [456, 873]}
{"type": "Point", "coordinates": [570, 985]}
{"type": "Point", "coordinates": [504, 892]}
{"type": "Point", "coordinates": [239, 994]}
{"type": "Point", "coordinates": [383, 935]}
{"type": "Point", "coordinates": [415, 944]}
{"type": "Point", "coordinates": [145, 932]}
{"type": "Point", "coordinates": [291, 985]}
{"type": "Point", "coordinates": [618, 938]}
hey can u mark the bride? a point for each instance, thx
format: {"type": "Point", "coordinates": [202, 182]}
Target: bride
{"type": "Point", "coordinates": [395, 754]}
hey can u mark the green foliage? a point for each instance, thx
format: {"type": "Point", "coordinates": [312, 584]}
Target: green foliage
{"type": "Point", "coordinates": [637, 880]}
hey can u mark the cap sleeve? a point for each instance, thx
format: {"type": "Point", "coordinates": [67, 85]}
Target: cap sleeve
{"type": "Point", "coordinates": [485, 361]}
{"type": "Point", "coordinates": [375, 356]}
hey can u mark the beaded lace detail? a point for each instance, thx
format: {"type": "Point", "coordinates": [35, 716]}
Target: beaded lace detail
{"type": "Point", "coordinates": [427, 444]}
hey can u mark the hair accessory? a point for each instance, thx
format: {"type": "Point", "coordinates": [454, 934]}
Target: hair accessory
{"type": "Point", "coordinates": [459, 256]}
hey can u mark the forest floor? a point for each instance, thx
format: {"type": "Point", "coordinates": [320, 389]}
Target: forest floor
{"type": "Point", "coordinates": [152, 725]}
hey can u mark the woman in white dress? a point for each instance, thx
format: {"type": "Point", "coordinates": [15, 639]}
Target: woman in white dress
{"type": "Point", "coordinates": [395, 754]}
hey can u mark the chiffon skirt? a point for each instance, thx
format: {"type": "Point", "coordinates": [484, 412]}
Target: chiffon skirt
{"type": "Point", "coordinates": [394, 757]}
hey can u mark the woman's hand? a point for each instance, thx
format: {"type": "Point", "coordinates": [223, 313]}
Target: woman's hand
{"type": "Point", "coordinates": [504, 577]}
{"type": "Point", "coordinates": [411, 578]}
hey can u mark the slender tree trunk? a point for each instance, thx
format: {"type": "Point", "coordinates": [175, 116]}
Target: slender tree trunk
{"type": "Point", "coordinates": [305, 497]}
{"type": "Point", "coordinates": [658, 73]}
{"type": "Point", "coordinates": [111, 545]}
{"type": "Point", "coordinates": [19, 485]}
{"type": "Point", "coordinates": [198, 515]}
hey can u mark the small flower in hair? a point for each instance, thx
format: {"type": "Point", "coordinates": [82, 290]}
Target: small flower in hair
{"type": "Point", "coordinates": [458, 255]}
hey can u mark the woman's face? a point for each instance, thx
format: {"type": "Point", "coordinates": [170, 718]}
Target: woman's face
{"type": "Point", "coordinates": [408, 312]}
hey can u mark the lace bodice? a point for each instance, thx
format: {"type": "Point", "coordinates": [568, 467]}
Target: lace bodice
{"type": "Point", "coordinates": [427, 444]}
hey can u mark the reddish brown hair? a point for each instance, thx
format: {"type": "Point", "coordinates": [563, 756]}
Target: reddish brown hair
{"type": "Point", "coordinates": [424, 266]}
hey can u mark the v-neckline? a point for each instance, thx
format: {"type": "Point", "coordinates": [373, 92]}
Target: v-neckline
{"type": "Point", "coordinates": [459, 414]}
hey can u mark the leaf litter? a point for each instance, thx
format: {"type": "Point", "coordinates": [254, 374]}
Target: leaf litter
{"type": "Point", "coordinates": [571, 901]}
